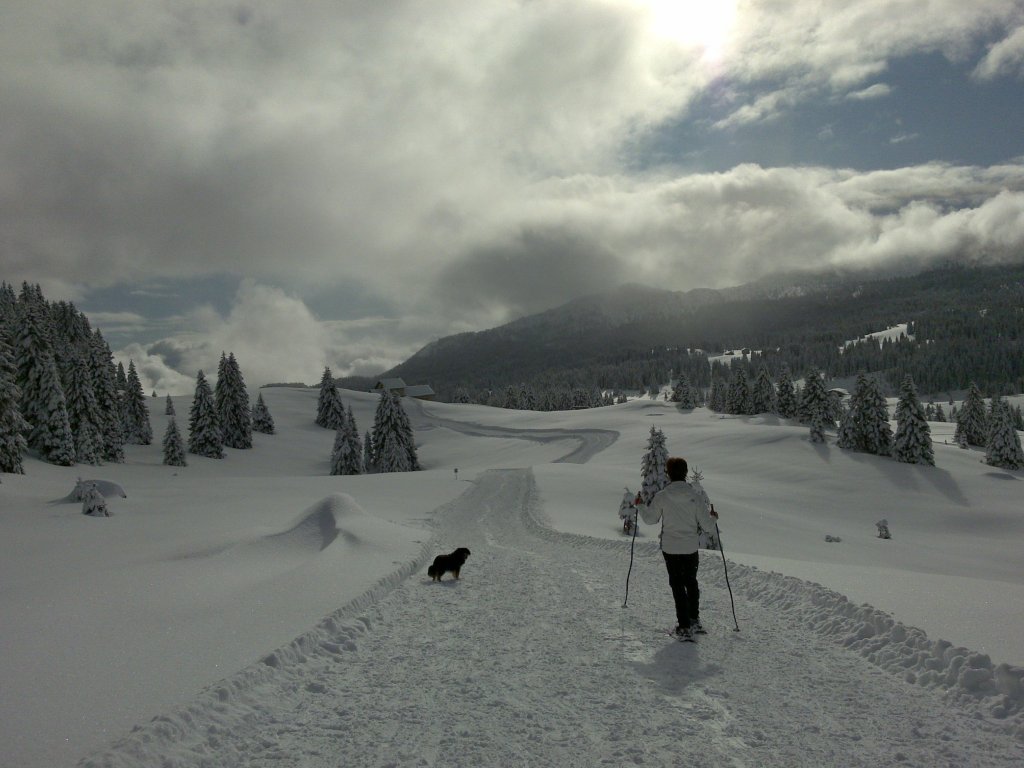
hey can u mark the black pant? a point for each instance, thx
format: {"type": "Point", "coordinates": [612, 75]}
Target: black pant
{"type": "Point", "coordinates": [682, 577]}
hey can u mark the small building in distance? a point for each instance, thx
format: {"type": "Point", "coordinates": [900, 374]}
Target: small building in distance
{"type": "Point", "coordinates": [399, 387]}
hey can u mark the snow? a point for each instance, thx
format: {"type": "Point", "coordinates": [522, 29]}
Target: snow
{"type": "Point", "coordinates": [892, 333]}
{"type": "Point", "coordinates": [255, 610]}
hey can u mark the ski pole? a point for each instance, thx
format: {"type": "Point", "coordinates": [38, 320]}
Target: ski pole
{"type": "Point", "coordinates": [636, 524]}
{"type": "Point", "coordinates": [726, 567]}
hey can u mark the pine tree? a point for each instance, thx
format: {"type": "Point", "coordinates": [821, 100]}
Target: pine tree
{"type": "Point", "coordinates": [93, 503]}
{"type": "Point", "coordinates": [716, 400]}
{"type": "Point", "coordinates": [136, 413]}
{"type": "Point", "coordinates": [231, 400]}
{"type": "Point", "coordinates": [83, 412]}
{"type": "Point", "coordinates": [408, 437]}
{"type": "Point", "coordinates": [652, 466]}
{"type": "Point", "coordinates": [877, 431]}
{"type": "Point", "coordinates": [913, 441]}
{"type": "Point", "coordinates": [738, 400]}
{"type": "Point", "coordinates": [390, 439]}
{"type": "Point", "coordinates": [1003, 449]}
{"type": "Point", "coordinates": [169, 407]}
{"type": "Point", "coordinates": [849, 436]}
{"type": "Point", "coordinates": [104, 376]}
{"type": "Point", "coordinates": [815, 404]}
{"type": "Point", "coordinates": [330, 412]}
{"type": "Point", "coordinates": [262, 421]}
{"type": "Point", "coordinates": [368, 454]}
{"type": "Point", "coordinates": [174, 448]}
{"type": "Point", "coordinates": [683, 393]}
{"type": "Point", "coordinates": [347, 454]}
{"type": "Point", "coordinates": [763, 396]}
{"type": "Point", "coordinates": [12, 425]}
{"type": "Point", "coordinates": [971, 418]}
{"type": "Point", "coordinates": [785, 399]}
{"type": "Point", "coordinates": [204, 436]}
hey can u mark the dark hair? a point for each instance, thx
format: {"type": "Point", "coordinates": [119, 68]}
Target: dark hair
{"type": "Point", "coordinates": [676, 468]}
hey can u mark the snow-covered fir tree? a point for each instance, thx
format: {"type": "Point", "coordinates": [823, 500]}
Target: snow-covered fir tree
{"type": "Point", "coordinates": [93, 502]}
{"type": "Point", "coordinates": [849, 435]}
{"type": "Point", "coordinates": [814, 404]}
{"type": "Point", "coordinates": [763, 395]}
{"type": "Point", "coordinates": [174, 447]}
{"type": "Point", "coordinates": [652, 466]}
{"type": "Point", "coordinates": [708, 539]}
{"type": "Point", "coordinates": [1003, 449]}
{"type": "Point", "coordinates": [717, 398]}
{"type": "Point", "coordinates": [875, 428]}
{"type": "Point", "coordinates": [940, 414]}
{"type": "Point", "coordinates": [330, 412]}
{"type": "Point", "coordinates": [913, 441]}
{"type": "Point", "coordinates": [83, 411]}
{"type": "Point", "coordinates": [204, 436]}
{"type": "Point", "coordinates": [169, 407]}
{"type": "Point", "coordinates": [262, 421]}
{"type": "Point", "coordinates": [683, 393]}
{"type": "Point", "coordinates": [231, 400]}
{"type": "Point", "coordinates": [137, 428]}
{"type": "Point", "coordinates": [394, 449]}
{"type": "Point", "coordinates": [368, 453]}
{"type": "Point", "coordinates": [347, 454]}
{"type": "Point", "coordinates": [461, 395]}
{"type": "Point", "coordinates": [511, 400]}
{"type": "Point", "coordinates": [12, 425]}
{"type": "Point", "coordinates": [738, 400]}
{"type": "Point", "coordinates": [785, 396]}
{"type": "Point", "coordinates": [628, 511]}
{"type": "Point", "coordinates": [971, 418]}
{"type": "Point", "coordinates": [104, 377]}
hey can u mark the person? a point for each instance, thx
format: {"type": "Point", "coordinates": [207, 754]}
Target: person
{"type": "Point", "coordinates": [683, 514]}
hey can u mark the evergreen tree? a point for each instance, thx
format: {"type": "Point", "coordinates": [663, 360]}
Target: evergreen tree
{"type": "Point", "coordinates": [971, 418]}
{"type": "Point", "coordinates": [12, 425]}
{"type": "Point", "coordinates": [1004, 448]}
{"type": "Point", "coordinates": [330, 413]}
{"type": "Point", "coordinates": [461, 395]}
{"type": "Point", "coordinates": [815, 404]}
{"type": "Point", "coordinates": [511, 400]}
{"type": "Point", "coordinates": [174, 447]}
{"type": "Point", "coordinates": [763, 396]}
{"type": "Point", "coordinates": [232, 402]}
{"type": "Point", "coordinates": [51, 435]}
{"type": "Point", "coordinates": [169, 407]}
{"type": "Point", "coordinates": [83, 411]}
{"type": "Point", "coordinates": [717, 399]}
{"type": "Point", "coordinates": [393, 446]}
{"type": "Point", "coordinates": [849, 436]}
{"type": "Point", "coordinates": [136, 412]}
{"type": "Point", "coordinates": [204, 436]}
{"type": "Point", "coordinates": [104, 377]}
{"type": "Point", "coordinates": [347, 454]}
{"type": "Point", "coordinates": [262, 421]}
{"type": "Point", "coordinates": [940, 414]}
{"type": "Point", "coordinates": [738, 400]}
{"type": "Point", "coordinates": [93, 503]}
{"type": "Point", "coordinates": [913, 441]}
{"type": "Point", "coordinates": [652, 466]}
{"type": "Point", "coordinates": [785, 400]}
{"type": "Point", "coordinates": [876, 430]}
{"type": "Point", "coordinates": [368, 454]}
{"type": "Point", "coordinates": [683, 393]}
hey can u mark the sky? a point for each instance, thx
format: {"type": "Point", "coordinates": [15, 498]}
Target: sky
{"type": "Point", "coordinates": [339, 183]}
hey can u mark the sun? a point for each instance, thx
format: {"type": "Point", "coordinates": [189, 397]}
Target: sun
{"type": "Point", "coordinates": [706, 25]}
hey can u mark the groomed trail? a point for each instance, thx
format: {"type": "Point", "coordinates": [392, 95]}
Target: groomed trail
{"type": "Point", "coordinates": [531, 660]}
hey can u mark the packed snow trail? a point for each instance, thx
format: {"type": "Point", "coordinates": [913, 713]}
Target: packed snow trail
{"type": "Point", "coordinates": [530, 660]}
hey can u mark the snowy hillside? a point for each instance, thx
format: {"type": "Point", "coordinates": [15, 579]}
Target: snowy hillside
{"type": "Point", "coordinates": [255, 610]}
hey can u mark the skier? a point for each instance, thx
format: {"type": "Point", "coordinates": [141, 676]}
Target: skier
{"type": "Point", "coordinates": [683, 514]}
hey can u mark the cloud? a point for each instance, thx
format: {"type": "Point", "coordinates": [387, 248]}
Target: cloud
{"type": "Point", "coordinates": [876, 91]}
{"type": "Point", "coordinates": [1004, 58]}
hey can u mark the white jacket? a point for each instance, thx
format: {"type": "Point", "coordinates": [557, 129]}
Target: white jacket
{"type": "Point", "coordinates": [683, 514]}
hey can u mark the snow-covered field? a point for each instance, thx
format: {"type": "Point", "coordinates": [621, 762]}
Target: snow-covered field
{"type": "Point", "coordinates": [257, 611]}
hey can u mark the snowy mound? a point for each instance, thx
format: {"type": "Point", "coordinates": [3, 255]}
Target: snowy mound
{"type": "Point", "coordinates": [106, 487]}
{"type": "Point", "coordinates": [312, 531]}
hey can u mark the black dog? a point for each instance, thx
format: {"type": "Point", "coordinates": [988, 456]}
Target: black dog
{"type": "Point", "coordinates": [452, 562]}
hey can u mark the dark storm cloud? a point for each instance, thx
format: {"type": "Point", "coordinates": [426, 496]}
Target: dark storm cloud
{"type": "Point", "coordinates": [535, 270]}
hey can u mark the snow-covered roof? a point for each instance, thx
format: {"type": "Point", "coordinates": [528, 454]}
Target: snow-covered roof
{"type": "Point", "coordinates": [389, 384]}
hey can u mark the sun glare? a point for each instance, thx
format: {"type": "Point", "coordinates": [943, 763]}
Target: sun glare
{"type": "Point", "coordinates": [703, 24]}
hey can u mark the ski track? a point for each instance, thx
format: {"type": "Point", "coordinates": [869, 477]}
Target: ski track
{"type": "Point", "coordinates": [531, 660]}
